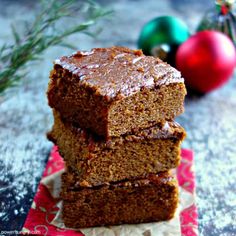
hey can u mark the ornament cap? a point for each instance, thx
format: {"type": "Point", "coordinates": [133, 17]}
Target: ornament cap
{"type": "Point", "coordinates": [223, 2]}
{"type": "Point", "coordinates": [161, 51]}
{"type": "Point", "coordinates": [161, 37]}
{"type": "Point", "coordinates": [224, 6]}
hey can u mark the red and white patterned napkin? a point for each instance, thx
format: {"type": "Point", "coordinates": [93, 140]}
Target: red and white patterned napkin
{"type": "Point", "coordinates": [44, 216]}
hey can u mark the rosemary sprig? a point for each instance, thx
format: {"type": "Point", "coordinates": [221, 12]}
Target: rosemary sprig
{"type": "Point", "coordinates": [42, 34]}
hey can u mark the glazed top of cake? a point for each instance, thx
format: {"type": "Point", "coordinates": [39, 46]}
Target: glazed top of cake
{"type": "Point", "coordinates": [118, 71]}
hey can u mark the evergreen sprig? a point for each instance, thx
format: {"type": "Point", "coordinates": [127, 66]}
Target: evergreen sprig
{"type": "Point", "coordinates": [44, 32]}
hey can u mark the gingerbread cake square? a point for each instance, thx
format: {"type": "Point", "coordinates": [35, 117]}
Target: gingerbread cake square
{"type": "Point", "coordinates": [154, 198]}
{"type": "Point", "coordinates": [113, 91]}
{"type": "Point", "coordinates": [97, 161]}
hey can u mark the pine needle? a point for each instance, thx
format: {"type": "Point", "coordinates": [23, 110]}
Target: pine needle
{"type": "Point", "coordinates": [42, 34]}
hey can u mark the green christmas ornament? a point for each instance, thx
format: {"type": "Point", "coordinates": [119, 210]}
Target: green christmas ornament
{"type": "Point", "coordinates": [162, 36]}
{"type": "Point", "coordinates": [221, 18]}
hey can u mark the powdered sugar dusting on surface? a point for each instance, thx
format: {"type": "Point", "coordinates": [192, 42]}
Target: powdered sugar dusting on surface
{"type": "Point", "coordinates": [24, 120]}
{"type": "Point", "coordinates": [210, 123]}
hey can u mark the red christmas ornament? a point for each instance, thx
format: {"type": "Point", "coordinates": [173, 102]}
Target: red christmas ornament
{"type": "Point", "coordinates": [206, 60]}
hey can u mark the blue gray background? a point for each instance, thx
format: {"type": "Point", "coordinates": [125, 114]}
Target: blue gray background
{"type": "Point", "coordinates": [210, 120]}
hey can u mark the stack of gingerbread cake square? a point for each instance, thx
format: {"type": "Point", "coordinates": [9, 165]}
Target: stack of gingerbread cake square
{"type": "Point", "coordinates": [114, 111]}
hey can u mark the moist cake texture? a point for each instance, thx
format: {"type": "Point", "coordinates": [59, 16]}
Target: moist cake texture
{"type": "Point", "coordinates": [113, 114]}
{"type": "Point", "coordinates": [113, 91]}
{"type": "Point", "coordinates": [97, 161]}
{"type": "Point", "coordinates": [154, 198]}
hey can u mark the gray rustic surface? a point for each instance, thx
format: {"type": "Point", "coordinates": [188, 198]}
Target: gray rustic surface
{"type": "Point", "coordinates": [210, 121]}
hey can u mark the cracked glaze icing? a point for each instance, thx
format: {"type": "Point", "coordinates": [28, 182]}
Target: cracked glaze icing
{"type": "Point", "coordinates": [117, 71]}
